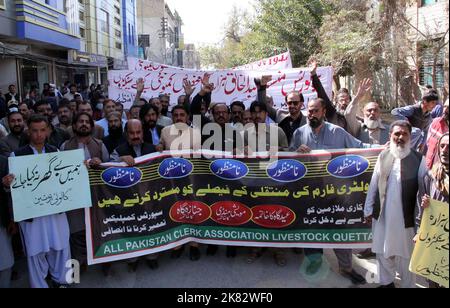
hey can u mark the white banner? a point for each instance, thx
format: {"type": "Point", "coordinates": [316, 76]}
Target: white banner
{"type": "Point", "coordinates": [229, 85]}
{"type": "Point", "coordinates": [278, 62]}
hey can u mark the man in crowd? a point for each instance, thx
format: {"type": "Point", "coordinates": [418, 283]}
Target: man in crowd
{"type": "Point", "coordinates": [12, 95]}
{"type": "Point", "coordinates": [64, 116]}
{"type": "Point", "coordinates": [135, 147]}
{"type": "Point", "coordinates": [419, 115]}
{"type": "Point", "coordinates": [237, 112]}
{"type": "Point", "coordinates": [134, 112]}
{"type": "Point", "coordinates": [17, 138]}
{"type": "Point", "coordinates": [321, 135]}
{"type": "Point", "coordinates": [95, 153]}
{"type": "Point", "coordinates": [149, 115]}
{"type": "Point", "coordinates": [108, 107]}
{"type": "Point", "coordinates": [260, 138]}
{"type": "Point", "coordinates": [162, 120]}
{"type": "Point", "coordinates": [288, 120]}
{"type": "Point", "coordinates": [72, 92]}
{"type": "Point", "coordinates": [178, 137]}
{"type": "Point", "coordinates": [438, 128]}
{"type": "Point", "coordinates": [25, 110]}
{"type": "Point", "coordinates": [333, 115]}
{"type": "Point", "coordinates": [165, 103]}
{"type": "Point", "coordinates": [116, 136]}
{"type": "Point", "coordinates": [85, 107]}
{"type": "Point", "coordinates": [57, 136]}
{"type": "Point", "coordinates": [435, 185]}
{"type": "Point", "coordinates": [390, 206]}
{"type": "Point", "coordinates": [45, 239]}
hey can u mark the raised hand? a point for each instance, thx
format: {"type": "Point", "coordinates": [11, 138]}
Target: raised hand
{"type": "Point", "coordinates": [188, 87]}
{"type": "Point", "coordinates": [207, 87]}
{"type": "Point", "coordinates": [140, 85]}
{"type": "Point", "coordinates": [364, 87]}
{"type": "Point", "coordinates": [265, 80]}
{"type": "Point", "coordinates": [313, 66]}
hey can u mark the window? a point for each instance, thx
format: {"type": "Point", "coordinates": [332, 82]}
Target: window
{"type": "Point", "coordinates": [118, 34]}
{"type": "Point", "coordinates": [118, 45]}
{"type": "Point", "coordinates": [103, 21]}
{"type": "Point", "coordinates": [144, 40]}
{"type": "Point", "coordinates": [117, 21]}
{"type": "Point", "coordinates": [428, 56]}
{"type": "Point", "coordinates": [2, 5]}
{"type": "Point", "coordinates": [117, 10]}
{"type": "Point", "coordinates": [82, 32]}
{"type": "Point", "coordinates": [82, 16]}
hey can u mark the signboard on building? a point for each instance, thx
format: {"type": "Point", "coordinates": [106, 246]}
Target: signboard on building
{"type": "Point", "coordinates": [84, 58]}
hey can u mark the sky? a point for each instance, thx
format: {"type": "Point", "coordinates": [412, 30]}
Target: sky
{"type": "Point", "coordinates": [204, 20]}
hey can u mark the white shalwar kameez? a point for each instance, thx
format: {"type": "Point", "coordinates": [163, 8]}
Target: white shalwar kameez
{"type": "Point", "coordinates": [46, 241]}
{"type": "Point", "coordinates": [392, 242]}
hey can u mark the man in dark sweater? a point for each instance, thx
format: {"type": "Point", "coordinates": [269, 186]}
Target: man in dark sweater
{"type": "Point", "coordinates": [135, 146]}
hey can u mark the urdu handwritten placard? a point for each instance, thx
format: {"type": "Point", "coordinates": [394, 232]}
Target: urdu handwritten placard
{"type": "Point", "coordinates": [49, 184]}
{"type": "Point", "coordinates": [430, 257]}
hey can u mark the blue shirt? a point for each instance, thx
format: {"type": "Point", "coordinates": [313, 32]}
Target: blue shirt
{"type": "Point", "coordinates": [330, 137]}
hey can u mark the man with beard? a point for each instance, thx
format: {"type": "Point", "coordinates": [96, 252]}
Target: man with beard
{"type": "Point", "coordinates": [321, 135]}
{"type": "Point", "coordinates": [333, 115]}
{"type": "Point", "coordinates": [165, 103]}
{"type": "Point", "coordinates": [64, 116]}
{"type": "Point", "coordinates": [162, 120]}
{"type": "Point", "coordinates": [221, 135]}
{"type": "Point", "coordinates": [25, 110]}
{"type": "Point", "coordinates": [262, 137]}
{"type": "Point", "coordinates": [134, 112]}
{"type": "Point", "coordinates": [180, 136]}
{"type": "Point", "coordinates": [237, 112]}
{"type": "Point", "coordinates": [70, 95]}
{"type": "Point", "coordinates": [247, 118]}
{"type": "Point", "coordinates": [149, 115]}
{"type": "Point", "coordinates": [135, 147]}
{"type": "Point", "coordinates": [116, 136]}
{"type": "Point", "coordinates": [95, 153]}
{"type": "Point", "coordinates": [57, 136]}
{"type": "Point", "coordinates": [437, 129]}
{"type": "Point", "coordinates": [17, 138]}
{"type": "Point", "coordinates": [85, 107]}
{"type": "Point", "coordinates": [288, 120]}
{"type": "Point", "coordinates": [435, 185]}
{"type": "Point", "coordinates": [390, 206]}
{"type": "Point", "coordinates": [108, 106]}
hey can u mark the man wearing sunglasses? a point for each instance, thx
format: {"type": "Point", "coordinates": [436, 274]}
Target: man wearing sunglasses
{"type": "Point", "coordinates": [288, 120]}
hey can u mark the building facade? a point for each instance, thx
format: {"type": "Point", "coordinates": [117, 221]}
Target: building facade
{"type": "Point", "coordinates": [191, 57]}
{"type": "Point", "coordinates": [160, 33]}
{"type": "Point", "coordinates": [130, 37]}
{"type": "Point", "coordinates": [54, 41]}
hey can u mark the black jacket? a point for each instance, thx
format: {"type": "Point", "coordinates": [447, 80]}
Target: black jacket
{"type": "Point", "coordinates": [127, 150]}
{"type": "Point", "coordinates": [148, 137]}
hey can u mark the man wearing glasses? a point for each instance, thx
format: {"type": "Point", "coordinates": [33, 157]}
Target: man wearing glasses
{"type": "Point", "coordinates": [288, 120]}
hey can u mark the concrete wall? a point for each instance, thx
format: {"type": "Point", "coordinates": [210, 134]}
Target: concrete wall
{"type": "Point", "coordinates": [8, 73]}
